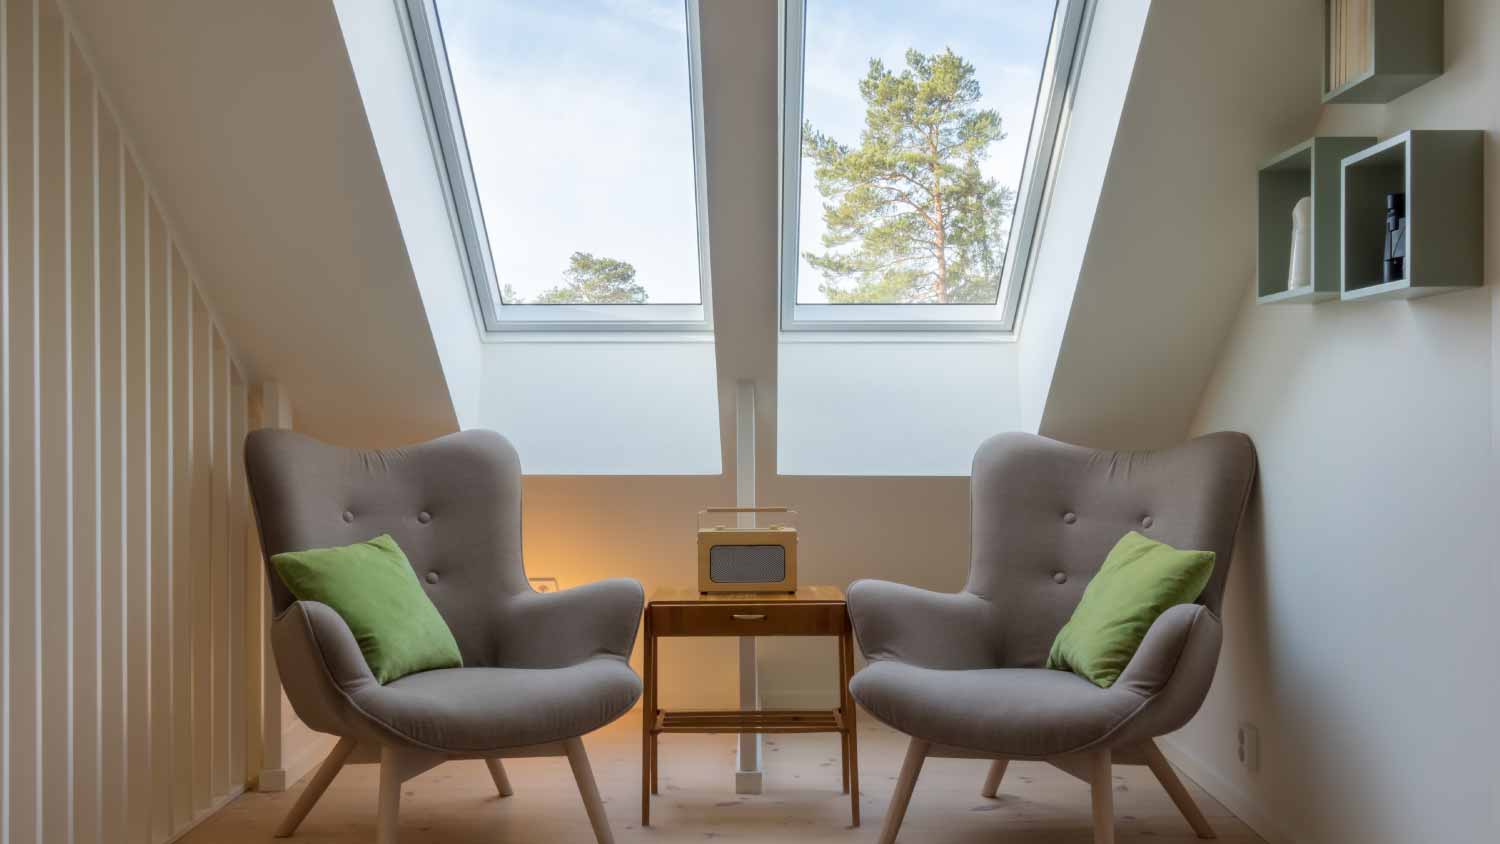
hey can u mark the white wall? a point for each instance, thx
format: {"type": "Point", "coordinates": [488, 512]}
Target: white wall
{"type": "Point", "coordinates": [583, 405]}
{"type": "Point", "coordinates": [1360, 615]}
{"type": "Point", "coordinates": [123, 649]}
{"type": "Point", "coordinates": [876, 406]}
{"type": "Point", "coordinates": [1123, 359]}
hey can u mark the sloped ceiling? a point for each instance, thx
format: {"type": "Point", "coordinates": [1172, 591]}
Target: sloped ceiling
{"type": "Point", "coordinates": [1217, 88]}
{"type": "Point", "coordinates": [248, 118]}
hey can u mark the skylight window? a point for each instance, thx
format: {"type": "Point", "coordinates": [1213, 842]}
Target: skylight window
{"type": "Point", "coordinates": [572, 136]}
{"type": "Point", "coordinates": [916, 141]}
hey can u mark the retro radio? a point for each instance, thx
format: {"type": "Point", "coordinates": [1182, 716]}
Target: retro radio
{"type": "Point", "coordinates": [747, 549]}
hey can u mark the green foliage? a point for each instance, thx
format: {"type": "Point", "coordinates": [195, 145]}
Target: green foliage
{"type": "Point", "coordinates": [595, 281]}
{"type": "Point", "coordinates": [910, 217]}
{"type": "Point", "coordinates": [509, 296]}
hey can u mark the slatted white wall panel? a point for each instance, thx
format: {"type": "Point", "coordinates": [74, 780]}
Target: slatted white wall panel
{"type": "Point", "coordinates": [127, 643]}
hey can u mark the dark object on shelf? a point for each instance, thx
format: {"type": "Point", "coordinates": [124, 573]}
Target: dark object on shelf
{"type": "Point", "coordinates": [1395, 236]}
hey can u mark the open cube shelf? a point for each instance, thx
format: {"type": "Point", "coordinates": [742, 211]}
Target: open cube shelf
{"type": "Point", "coordinates": [1309, 169]}
{"type": "Point", "coordinates": [1442, 174]}
{"type": "Point", "coordinates": [1402, 42]}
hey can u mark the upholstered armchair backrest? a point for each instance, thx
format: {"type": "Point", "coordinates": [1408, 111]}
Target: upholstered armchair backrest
{"type": "Point", "coordinates": [1046, 514]}
{"type": "Point", "coordinates": [452, 504]}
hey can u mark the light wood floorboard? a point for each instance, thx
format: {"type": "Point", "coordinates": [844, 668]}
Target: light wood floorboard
{"type": "Point", "coordinates": [456, 803]}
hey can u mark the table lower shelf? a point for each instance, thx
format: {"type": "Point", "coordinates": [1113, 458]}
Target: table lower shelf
{"type": "Point", "coordinates": [749, 721]}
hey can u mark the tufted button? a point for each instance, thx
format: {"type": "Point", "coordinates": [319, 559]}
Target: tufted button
{"type": "Point", "coordinates": [348, 516]}
{"type": "Point", "coordinates": [1147, 522]}
{"type": "Point", "coordinates": [1060, 577]}
{"type": "Point", "coordinates": [432, 577]}
{"type": "Point", "coordinates": [424, 517]}
{"type": "Point", "coordinates": [1069, 518]}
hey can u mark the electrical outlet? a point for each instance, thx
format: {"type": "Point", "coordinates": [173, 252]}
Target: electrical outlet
{"type": "Point", "coordinates": [543, 584]}
{"type": "Point", "coordinates": [1248, 739]}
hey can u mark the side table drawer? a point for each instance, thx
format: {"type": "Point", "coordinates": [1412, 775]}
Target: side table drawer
{"type": "Point", "coordinates": [769, 619]}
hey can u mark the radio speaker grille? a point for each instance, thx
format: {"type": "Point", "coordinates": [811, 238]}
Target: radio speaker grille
{"type": "Point", "coordinates": [746, 563]}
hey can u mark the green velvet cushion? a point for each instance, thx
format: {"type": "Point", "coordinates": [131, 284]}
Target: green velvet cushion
{"type": "Point", "coordinates": [371, 585]}
{"type": "Point", "coordinates": [1140, 579]}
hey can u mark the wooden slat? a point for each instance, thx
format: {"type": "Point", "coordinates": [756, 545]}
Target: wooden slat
{"type": "Point", "coordinates": [161, 573]}
{"type": "Point", "coordinates": [22, 646]}
{"type": "Point", "coordinates": [218, 521]}
{"type": "Point", "coordinates": [750, 721]}
{"type": "Point", "coordinates": [203, 687]}
{"type": "Point", "coordinates": [113, 637]}
{"type": "Point", "coordinates": [238, 583]}
{"type": "Point", "coordinates": [137, 511]}
{"type": "Point", "coordinates": [127, 638]}
{"type": "Point", "coordinates": [55, 396]}
{"type": "Point", "coordinates": [87, 644]}
{"type": "Point", "coordinates": [182, 546]}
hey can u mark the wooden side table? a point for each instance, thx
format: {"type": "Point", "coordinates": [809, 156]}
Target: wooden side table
{"type": "Point", "coordinates": [811, 611]}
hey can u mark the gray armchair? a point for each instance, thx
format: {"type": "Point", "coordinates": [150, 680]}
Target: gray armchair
{"type": "Point", "coordinates": [540, 670]}
{"type": "Point", "coordinates": [963, 674]}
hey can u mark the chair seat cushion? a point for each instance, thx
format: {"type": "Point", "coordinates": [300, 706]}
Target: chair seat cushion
{"type": "Point", "coordinates": [472, 710]}
{"type": "Point", "coordinates": [1015, 712]}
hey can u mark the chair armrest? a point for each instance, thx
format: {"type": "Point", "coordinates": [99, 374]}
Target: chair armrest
{"type": "Point", "coordinates": [557, 629]}
{"type": "Point", "coordinates": [1181, 650]}
{"type": "Point", "coordinates": [320, 664]}
{"type": "Point", "coordinates": [929, 629]}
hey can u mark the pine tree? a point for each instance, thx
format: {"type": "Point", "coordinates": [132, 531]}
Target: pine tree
{"type": "Point", "coordinates": [595, 281]}
{"type": "Point", "coordinates": [910, 217]}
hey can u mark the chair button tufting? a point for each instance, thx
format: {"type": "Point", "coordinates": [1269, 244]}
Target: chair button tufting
{"type": "Point", "coordinates": [1060, 577]}
{"type": "Point", "coordinates": [432, 577]}
{"type": "Point", "coordinates": [1147, 522]}
{"type": "Point", "coordinates": [424, 517]}
{"type": "Point", "coordinates": [348, 516]}
{"type": "Point", "coordinates": [1070, 518]}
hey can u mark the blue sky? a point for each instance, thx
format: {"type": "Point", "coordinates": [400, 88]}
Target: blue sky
{"type": "Point", "coordinates": [577, 115]}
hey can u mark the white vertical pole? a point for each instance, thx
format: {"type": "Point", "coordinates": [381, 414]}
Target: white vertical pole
{"type": "Point", "coordinates": [748, 775]}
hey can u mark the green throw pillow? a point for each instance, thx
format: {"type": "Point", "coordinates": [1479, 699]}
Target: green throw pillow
{"type": "Point", "coordinates": [371, 585]}
{"type": "Point", "coordinates": [1140, 579]}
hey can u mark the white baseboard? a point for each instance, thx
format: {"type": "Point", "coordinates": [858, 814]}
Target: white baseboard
{"type": "Point", "coordinates": [1233, 798]}
{"type": "Point", "coordinates": [305, 757]}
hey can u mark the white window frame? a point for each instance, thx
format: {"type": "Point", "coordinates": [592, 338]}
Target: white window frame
{"type": "Point", "coordinates": [1059, 76]}
{"type": "Point", "coordinates": [431, 64]}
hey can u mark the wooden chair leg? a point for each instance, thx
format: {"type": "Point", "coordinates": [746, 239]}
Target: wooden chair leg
{"type": "Point", "coordinates": [992, 781]}
{"type": "Point", "coordinates": [851, 724]}
{"type": "Point", "coordinates": [584, 774]}
{"type": "Point", "coordinates": [316, 786]}
{"type": "Point", "coordinates": [1176, 790]}
{"type": "Point", "coordinates": [911, 767]}
{"type": "Point", "coordinates": [497, 773]}
{"type": "Point", "coordinates": [1101, 783]}
{"type": "Point", "coordinates": [844, 756]}
{"type": "Point", "coordinates": [390, 797]}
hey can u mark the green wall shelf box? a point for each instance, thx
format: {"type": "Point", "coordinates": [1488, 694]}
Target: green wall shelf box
{"type": "Point", "coordinates": [1441, 171]}
{"type": "Point", "coordinates": [1310, 168]}
{"type": "Point", "coordinates": [1403, 42]}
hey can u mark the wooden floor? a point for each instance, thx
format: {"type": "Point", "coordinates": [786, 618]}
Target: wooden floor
{"type": "Point", "coordinates": [456, 803]}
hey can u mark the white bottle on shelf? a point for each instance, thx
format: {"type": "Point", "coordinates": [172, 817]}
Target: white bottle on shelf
{"type": "Point", "coordinates": [1300, 272]}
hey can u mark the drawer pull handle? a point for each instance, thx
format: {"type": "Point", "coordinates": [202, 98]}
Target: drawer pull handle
{"type": "Point", "coordinates": [749, 616]}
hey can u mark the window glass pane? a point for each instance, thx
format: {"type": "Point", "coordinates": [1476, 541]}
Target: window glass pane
{"type": "Point", "coordinates": [578, 119]}
{"type": "Point", "coordinates": [915, 124]}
